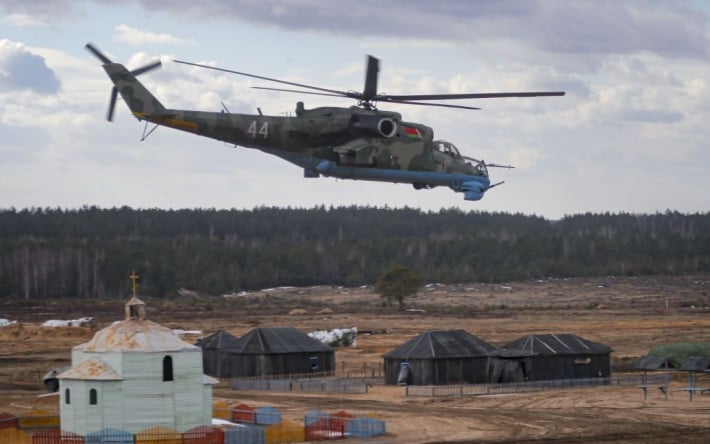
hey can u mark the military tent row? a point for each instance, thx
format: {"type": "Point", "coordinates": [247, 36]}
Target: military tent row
{"type": "Point", "coordinates": [431, 358]}
{"type": "Point", "coordinates": [457, 357]}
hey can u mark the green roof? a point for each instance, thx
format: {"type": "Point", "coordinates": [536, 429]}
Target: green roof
{"type": "Point", "coordinates": [680, 352]}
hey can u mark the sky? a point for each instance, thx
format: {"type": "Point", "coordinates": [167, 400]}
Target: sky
{"type": "Point", "coordinates": [630, 135]}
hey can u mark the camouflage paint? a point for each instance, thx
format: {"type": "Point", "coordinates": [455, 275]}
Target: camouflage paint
{"type": "Point", "coordinates": [355, 141]}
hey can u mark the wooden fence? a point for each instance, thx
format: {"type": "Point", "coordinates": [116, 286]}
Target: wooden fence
{"type": "Point", "coordinates": [357, 384]}
{"type": "Point", "coordinates": [521, 387]}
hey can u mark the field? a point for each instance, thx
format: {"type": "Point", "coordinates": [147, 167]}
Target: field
{"type": "Point", "coordinates": [631, 315]}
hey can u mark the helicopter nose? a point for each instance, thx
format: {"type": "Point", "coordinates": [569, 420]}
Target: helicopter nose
{"type": "Point", "coordinates": [473, 190]}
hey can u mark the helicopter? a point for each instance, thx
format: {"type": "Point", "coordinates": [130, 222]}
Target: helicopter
{"type": "Point", "coordinates": [359, 142]}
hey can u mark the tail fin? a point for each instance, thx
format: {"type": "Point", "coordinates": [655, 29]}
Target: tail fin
{"type": "Point", "coordinates": [139, 100]}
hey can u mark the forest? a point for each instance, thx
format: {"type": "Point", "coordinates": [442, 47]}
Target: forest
{"type": "Point", "coordinates": [90, 252]}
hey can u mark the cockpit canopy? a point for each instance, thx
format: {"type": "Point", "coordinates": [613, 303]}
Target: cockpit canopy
{"type": "Point", "coordinates": [478, 167]}
{"type": "Point", "coordinates": [446, 148]}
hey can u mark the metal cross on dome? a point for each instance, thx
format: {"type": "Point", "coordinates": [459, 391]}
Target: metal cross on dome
{"type": "Point", "coordinates": [134, 285]}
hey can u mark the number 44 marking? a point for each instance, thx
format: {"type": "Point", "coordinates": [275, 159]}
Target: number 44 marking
{"type": "Point", "coordinates": [263, 130]}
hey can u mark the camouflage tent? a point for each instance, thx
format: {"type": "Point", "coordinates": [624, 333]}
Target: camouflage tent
{"type": "Point", "coordinates": [549, 357]}
{"type": "Point", "coordinates": [276, 351]}
{"type": "Point", "coordinates": [439, 358]}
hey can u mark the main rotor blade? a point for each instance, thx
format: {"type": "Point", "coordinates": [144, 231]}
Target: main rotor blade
{"type": "Point", "coordinates": [298, 91]}
{"type": "Point", "coordinates": [373, 69]}
{"type": "Point", "coordinates": [301, 85]}
{"type": "Point", "coordinates": [442, 105]}
{"type": "Point", "coordinates": [386, 98]}
{"type": "Point", "coordinates": [95, 51]}
{"type": "Point", "coordinates": [112, 104]}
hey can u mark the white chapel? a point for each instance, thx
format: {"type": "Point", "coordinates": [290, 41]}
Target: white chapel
{"type": "Point", "coordinates": [132, 376]}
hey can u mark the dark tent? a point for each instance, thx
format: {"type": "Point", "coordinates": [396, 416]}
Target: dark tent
{"type": "Point", "coordinates": [439, 358]}
{"type": "Point", "coordinates": [277, 351]}
{"type": "Point", "coordinates": [211, 347]}
{"type": "Point", "coordinates": [549, 357]}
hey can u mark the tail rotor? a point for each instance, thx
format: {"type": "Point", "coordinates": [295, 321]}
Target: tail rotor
{"type": "Point", "coordinates": [114, 92]}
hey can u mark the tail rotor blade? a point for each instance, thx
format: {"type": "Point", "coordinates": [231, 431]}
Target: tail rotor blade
{"type": "Point", "coordinates": [146, 68]}
{"type": "Point", "coordinates": [92, 49]}
{"type": "Point", "coordinates": [112, 104]}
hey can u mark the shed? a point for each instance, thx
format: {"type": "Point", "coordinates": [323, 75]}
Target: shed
{"type": "Point", "coordinates": [696, 364]}
{"type": "Point", "coordinates": [647, 363]}
{"type": "Point", "coordinates": [693, 365]}
{"type": "Point", "coordinates": [439, 358]}
{"type": "Point", "coordinates": [211, 346]}
{"type": "Point", "coordinates": [549, 357]}
{"type": "Point", "coordinates": [653, 363]}
{"type": "Point", "coordinates": [276, 351]}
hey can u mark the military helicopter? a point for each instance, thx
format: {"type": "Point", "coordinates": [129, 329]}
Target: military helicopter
{"type": "Point", "coordinates": [359, 142]}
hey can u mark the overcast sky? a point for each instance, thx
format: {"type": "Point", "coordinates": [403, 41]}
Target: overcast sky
{"type": "Point", "coordinates": [631, 135]}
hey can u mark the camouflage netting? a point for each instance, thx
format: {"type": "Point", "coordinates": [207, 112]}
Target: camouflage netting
{"type": "Point", "coordinates": [679, 353]}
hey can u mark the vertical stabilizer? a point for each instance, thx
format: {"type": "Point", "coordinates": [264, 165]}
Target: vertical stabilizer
{"type": "Point", "coordinates": [139, 100]}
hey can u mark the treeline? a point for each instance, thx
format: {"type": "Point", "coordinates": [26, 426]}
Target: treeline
{"type": "Point", "coordinates": [89, 253]}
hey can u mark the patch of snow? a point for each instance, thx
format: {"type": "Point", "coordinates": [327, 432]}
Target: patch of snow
{"type": "Point", "coordinates": [337, 337]}
{"type": "Point", "coordinates": [180, 332]}
{"type": "Point", "coordinates": [224, 422]}
{"type": "Point", "coordinates": [267, 290]}
{"type": "Point", "coordinates": [81, 322]}
{"type": "Point", "coordinates": [5, 322]}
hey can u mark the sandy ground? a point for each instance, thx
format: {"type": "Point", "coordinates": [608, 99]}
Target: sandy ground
{"type": "Point", "coordinates": [631, 315]}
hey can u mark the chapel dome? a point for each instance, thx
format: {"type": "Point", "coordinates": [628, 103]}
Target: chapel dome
{"type": "Point", "coordinates": [136, 335]}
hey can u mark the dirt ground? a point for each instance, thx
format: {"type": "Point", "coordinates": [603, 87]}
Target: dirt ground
{"type": "Point", "coordinates": [631, 315]}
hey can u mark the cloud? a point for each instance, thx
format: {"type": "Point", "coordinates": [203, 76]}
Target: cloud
{"type": "Point", "coordinates": [611, 27]}
{"type": "Point", "coordinates": [125, 33]}
{"type": "Point", "coordinates": [673, 29]}
{"type": "Point", "coordinates": [591, 28]}
{"type": "Point", "coordinates": [35, 13]}
{"type": "Point", "coordinates": [22, 70]}
{"type": "Point", "coordinates": [19, 146]}
{"type": "Point", "coordinates": [24, 20]}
